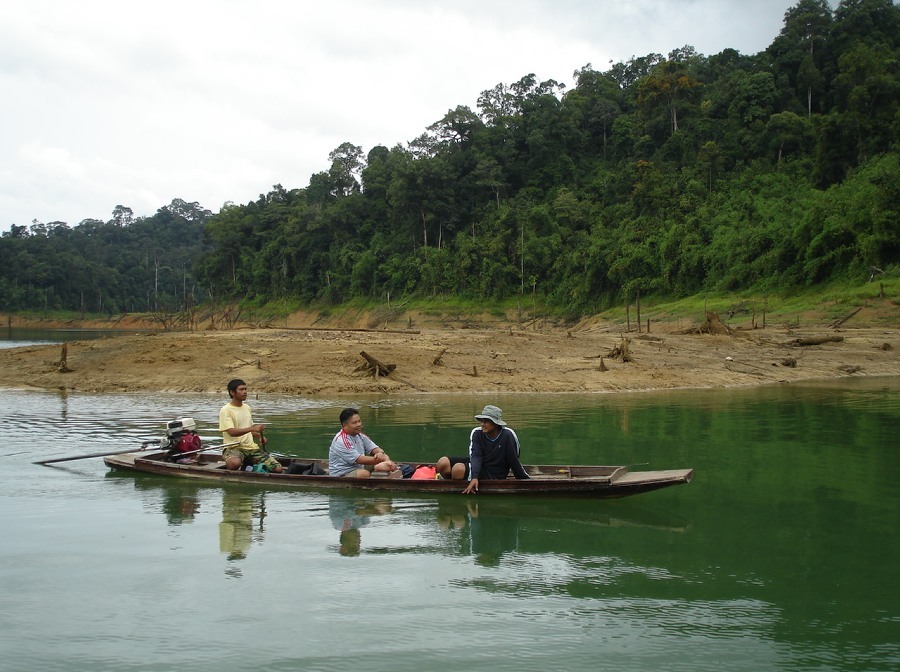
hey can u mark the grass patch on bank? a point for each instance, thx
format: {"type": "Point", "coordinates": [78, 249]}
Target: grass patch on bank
{"type": "Point", "coordinates": [822, 304]}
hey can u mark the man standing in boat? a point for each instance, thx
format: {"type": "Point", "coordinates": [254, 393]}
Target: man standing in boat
{"type": "Point", "coordinates": [236, 422]}
{"type": "Point", "coordinates": [493, 451]}
{"type": "Point", "coordinates": [352, 453]}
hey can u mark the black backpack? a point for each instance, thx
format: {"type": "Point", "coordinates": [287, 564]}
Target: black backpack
{"type": "Point", "coordinates": [306, 469]}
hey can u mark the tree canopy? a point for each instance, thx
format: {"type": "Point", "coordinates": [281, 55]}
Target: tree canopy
{"type": "Point", "coordinates": [666, 174]}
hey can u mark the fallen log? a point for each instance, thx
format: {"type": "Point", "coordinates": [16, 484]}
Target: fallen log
{"type": "Point", "coordinates": [359, 329]}
{"type": "Point", "coordinates": [380, 370]}
{"type": "Point", "coordinates": [817, 340]}
{"type": "Point", "coordinates": [837, 323]}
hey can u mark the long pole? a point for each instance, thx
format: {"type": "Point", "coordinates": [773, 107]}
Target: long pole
{"type": "Point", "coordinates": [144, 446]}
{"type": "Point", "coordinates": [84, 457]}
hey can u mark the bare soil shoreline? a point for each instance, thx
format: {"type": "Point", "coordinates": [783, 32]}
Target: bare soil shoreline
{"type": "Point", "coordinates": [428, 355]}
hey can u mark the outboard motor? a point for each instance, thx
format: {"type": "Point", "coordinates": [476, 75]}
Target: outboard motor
{"type": "Point", "coordinates": [181, 437]}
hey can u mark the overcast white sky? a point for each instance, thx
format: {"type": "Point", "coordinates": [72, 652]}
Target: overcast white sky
{"type": "Point", "coordinates": [109, 102]}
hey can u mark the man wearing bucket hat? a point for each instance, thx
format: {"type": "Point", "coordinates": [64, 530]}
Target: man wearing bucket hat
{"type": "Point", "coordinates": [493, 452]}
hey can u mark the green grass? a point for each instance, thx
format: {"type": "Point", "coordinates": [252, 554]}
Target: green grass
{"type": "Point", "coordinates": [821, 305]}
{"type": "Point", "coordinates": [825, 302]}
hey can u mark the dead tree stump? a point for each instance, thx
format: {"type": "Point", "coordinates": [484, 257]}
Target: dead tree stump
{"type": "Point", "coordinates": [714, 325]}
{"type": "Point", "coordinates": [373, 366]}
{"type": "Point", "coordinates": [622, 351]}
{"type": "Point", "coordinates": [63, 364]}
{"type": "Point", "coordinates": [437, 360]}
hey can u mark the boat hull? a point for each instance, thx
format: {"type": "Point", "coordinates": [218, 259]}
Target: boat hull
{"type": "Point", "coordinates": [599, 482]}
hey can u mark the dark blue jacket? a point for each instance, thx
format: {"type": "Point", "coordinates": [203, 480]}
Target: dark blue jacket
{"type": "Point", "coordinates": [493, 459]}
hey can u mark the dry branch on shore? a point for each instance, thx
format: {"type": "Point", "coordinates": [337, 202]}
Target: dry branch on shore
{"type": "Point", "coordinates": [379, 369]}
{"type": "Point", "coordinates": [817, 340]}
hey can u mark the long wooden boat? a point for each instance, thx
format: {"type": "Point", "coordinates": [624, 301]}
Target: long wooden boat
{"type": "Point", "coordinates": [546, 480]}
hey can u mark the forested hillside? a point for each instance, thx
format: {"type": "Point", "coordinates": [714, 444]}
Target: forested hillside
{"type": "Point", "coordinates": [665, 174]}
{"type": "Point", "coordinates": [124, 265]}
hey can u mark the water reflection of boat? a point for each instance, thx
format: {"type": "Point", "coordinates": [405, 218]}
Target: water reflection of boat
{"type": "Point", "coordinates": [518, 547]}
{"type": "Point", "coordinates": [243, 513]}
{"type": "Point", "coordinates": [487, 530]}
{"type": "Point", "coordinates": [597, 482]}
{"type": "Point", "coordinates": [491, 528]}
{"type": "Point", "coordinates": [180, 501]}
{"type": "Point", "coordinates": [571, 512]}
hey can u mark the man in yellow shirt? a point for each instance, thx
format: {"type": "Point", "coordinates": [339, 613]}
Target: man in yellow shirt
{"type": "Point", "coordinates": [236, 422]}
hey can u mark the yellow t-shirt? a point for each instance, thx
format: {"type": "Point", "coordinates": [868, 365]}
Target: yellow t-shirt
{"type": "Point", "coordinates": [236, 417]}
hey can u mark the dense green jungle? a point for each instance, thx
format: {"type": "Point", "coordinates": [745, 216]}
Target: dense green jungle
{"type": "Point", "coordinates": [665, 175]}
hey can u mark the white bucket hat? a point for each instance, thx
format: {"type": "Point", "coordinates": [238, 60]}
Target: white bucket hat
{"type": "Point", "coordinates": [493, 414]}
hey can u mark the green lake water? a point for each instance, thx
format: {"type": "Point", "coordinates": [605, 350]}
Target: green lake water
{"type": "Point", "coordinates": [782, 554]}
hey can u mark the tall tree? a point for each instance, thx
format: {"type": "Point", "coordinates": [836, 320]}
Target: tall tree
{"type": "Point", "coordinates": [799, 48]}
{"type": "Point", "coordinates": [669, 83]}
{"type": "Point", "coordinates": [346, 164]}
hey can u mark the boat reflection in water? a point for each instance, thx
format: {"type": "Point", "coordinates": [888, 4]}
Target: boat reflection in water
{"type": "Point", "coordinates": [180, 504]}
{"type": "Point", "coordinates": [488, 529]}
{"type": "Point", "coordinates": [243, 513]}
{"type": "Point", "coordinates": [518, 542]}
{"type": "Point", "coordinates": [181, 507]}
{"type": "Point", "coordinates": [541, 541]}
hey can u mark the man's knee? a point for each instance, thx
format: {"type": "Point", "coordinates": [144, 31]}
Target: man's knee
{"type": "Point", "coordinates": [442, 466]}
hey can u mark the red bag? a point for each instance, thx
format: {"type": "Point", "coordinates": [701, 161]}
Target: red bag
{"type": "Point", "coordinates": [188, 443]}
{"type": "Point", "coordinates": [424, 473]}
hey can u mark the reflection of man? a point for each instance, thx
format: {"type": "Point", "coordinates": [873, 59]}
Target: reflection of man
{"type": "Point", "coordinates": [492, 537]}
{"type": "Point", "coordinates": [454, 514]}
{"type": "Point", "coordinates": [350, 542]}
{"type": "Point", "coordinates": [236, 528]}
{"type": "Point", "coordinates": [484, 535]}
{"type": "Point", "coordinates": [348, 515]}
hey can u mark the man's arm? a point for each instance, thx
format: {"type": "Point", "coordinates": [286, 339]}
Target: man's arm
{"type": "Point", "coordinates": [227, 425]}
{"type": "Point", "coordinates": [512, 457]}
{"type": "Point", "coordinates": [370, 447]}
{"type": "Point", "coordinates": [475, 456]}
{"type": "Point", "coordinates": [474, 463]}
{"type": "Point", "coordinates": [256, 430]}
